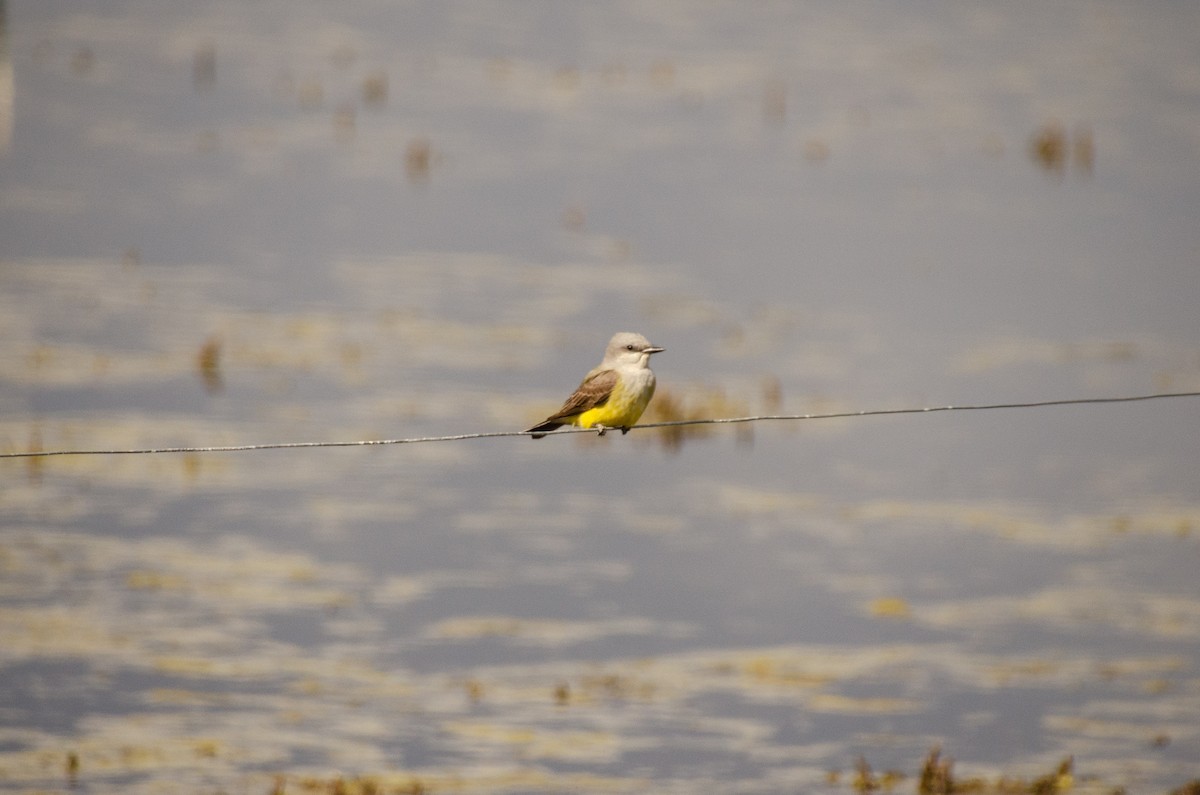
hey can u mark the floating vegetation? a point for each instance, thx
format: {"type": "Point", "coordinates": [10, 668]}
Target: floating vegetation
{"type": "Point", "coordinates": [937, 777]}
{"type": "Point", "coordinates": [208, 363]}
{"type": "Point", "coordinates": [889, 607]}
{"type": "Point", "coordinates": [355, 785]}
{"type": "Point", "coordinates": [1052, 148]}
{"type": "Point", "coordinates": [1048, 147]}
{"type": "Point", "coordinates": [669, 406]}
{"type": "Point", "coordinates": [72, 768]}
{"type": "Point", "coordinates": [375, 88]}
{"type": "Point", "coordinates": [816, 150]}
{"type": "Point", "coordinates": [703, 402]}
{"type": "Point", "coordinates": [418, 156]}
{"type": "Point", "coordinates": [865, 780]}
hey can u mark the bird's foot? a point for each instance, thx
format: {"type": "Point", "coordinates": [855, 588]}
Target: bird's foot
{"type": "Point", "coordinates": [625, 430]}
{"type": "Point", "coordinates": [601, 430]}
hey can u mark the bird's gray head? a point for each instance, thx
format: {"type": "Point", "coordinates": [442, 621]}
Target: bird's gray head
{"type": "Point", "coordinates": [627, 347]}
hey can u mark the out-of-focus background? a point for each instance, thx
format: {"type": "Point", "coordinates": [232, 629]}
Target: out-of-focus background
{"type": "Point", "coordinates": [237, 223]}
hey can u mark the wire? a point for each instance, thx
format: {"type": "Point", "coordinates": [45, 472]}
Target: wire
{"type": "Point", "coordinates": [567, 430]}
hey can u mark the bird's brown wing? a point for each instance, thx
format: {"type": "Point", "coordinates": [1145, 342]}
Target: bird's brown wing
{"type": "Point", "coordinates": [595, 391]}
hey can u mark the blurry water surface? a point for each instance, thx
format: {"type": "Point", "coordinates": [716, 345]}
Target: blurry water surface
{"type": "Point", "coordinates": [226, 223]}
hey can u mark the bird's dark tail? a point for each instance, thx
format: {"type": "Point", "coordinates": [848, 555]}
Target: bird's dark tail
{"type": "Point", "coordinates": [542, 428]}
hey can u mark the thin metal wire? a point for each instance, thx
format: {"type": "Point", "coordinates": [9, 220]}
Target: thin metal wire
{"type": "Point", "coordinates": [672, 424]}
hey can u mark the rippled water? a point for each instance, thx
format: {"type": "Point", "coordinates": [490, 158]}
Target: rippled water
{"type": "Point", "coordinates": [227, 224]}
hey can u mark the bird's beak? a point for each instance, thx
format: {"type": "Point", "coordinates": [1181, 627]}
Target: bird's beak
{"type": "Point", "coordinates": [653, 349]}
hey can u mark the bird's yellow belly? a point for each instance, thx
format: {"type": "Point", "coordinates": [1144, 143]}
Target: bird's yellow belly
{"type": "Point", "coordinates": [622, 410]}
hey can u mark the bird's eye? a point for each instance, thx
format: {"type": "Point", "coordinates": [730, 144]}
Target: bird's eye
{"type": "Point", "coordinates": [629, 347]}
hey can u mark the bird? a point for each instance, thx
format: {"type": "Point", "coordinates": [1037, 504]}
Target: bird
{"type": "Point", "coordinates": [614, 394]}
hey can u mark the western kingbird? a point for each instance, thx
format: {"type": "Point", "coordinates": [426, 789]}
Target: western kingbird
{"type": "Point", "coordinates": [614, 394]}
